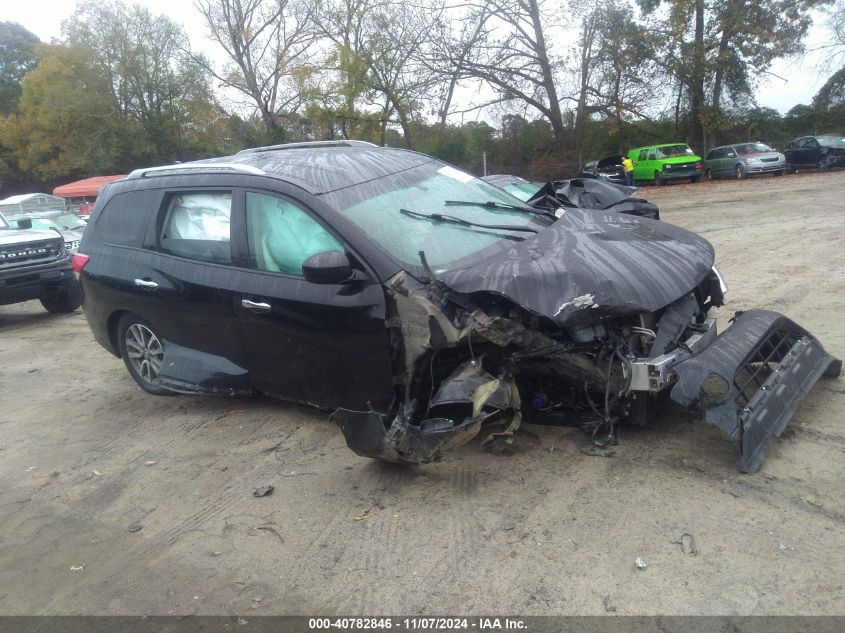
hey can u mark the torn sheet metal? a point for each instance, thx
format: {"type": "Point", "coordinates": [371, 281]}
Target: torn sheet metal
{"type": "Point", "coordinates": [628, 265]}
{"type": "Point", "coordinates": [750, 380]}
{"type": "Point", "coordinates": [368, 435]}
{"type": "Point", "coordinates": [469, 390]}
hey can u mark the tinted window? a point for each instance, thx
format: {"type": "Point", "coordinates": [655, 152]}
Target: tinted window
{"type": "Point", "coordinates": [652, 155]}
{"type": "Point", "coordinates": [713, 153]}
{"type": "Point", "coordinates": [282, 236]}
{"type": "Point", "coordinates": [125, 218]}
{"type": "Point", "coordinates": [196, 225]}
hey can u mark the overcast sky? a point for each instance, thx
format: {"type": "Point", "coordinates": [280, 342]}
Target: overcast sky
{"type": "Point", "coordinates": [44, 18]}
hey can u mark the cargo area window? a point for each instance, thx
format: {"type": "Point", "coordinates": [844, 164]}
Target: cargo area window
{"type": "Point", "coordinates": [282, 236]}
{"type": "Point", "coordinates": [197, 225]}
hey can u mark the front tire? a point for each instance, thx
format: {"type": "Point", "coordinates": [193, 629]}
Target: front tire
{"type": "Point", "coordinates": [66, 300]}
{"type": "Point", "coordinates": [778, 173]}
{"type": "Point", "coordinates": [694, 179]}
{"type": "Point", "coordinates": [708, 175]}
{"type": "Point", "coordinates": [791, 169]}
{"type": "Point", "coordinates": [822, 165]}
{"type": "Point", "coordinates": [740, 172]}
{"type": "Point", "coordinates": [142, 353]}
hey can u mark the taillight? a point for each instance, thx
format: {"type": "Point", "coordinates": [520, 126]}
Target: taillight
{"type": "Point", "coordinates": [78, 262]}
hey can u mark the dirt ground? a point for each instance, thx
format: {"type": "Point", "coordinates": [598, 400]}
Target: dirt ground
{"type": "Point", "coordinates": [550, 529]}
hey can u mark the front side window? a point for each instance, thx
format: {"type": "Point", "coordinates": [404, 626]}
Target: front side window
{"type": "Point", "coordinates": [282, 235]}
{"type": "Point", "coordinates": [196, 225]}
{"type": "Point", "coordinates": [652, 155]}
{"type": "Point", "coordinates": [643, 154]}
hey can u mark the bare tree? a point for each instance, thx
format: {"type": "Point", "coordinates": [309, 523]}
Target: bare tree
{"type": "Point", "coordinates": [511, 54]}
{"type": "Point", "coordinates": [269, 46]}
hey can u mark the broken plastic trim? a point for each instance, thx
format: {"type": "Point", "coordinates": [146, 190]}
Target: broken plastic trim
{"type": "Point", "coordinates": [767, 365]}
{"type": "Point", "coordinates": [469, 387]}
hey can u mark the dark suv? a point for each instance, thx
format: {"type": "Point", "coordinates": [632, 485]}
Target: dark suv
{"type": "Point", "coordinates": [35, 264]}
{"type": "Point", "coordinates": [816, 152]}
{"type": "Point", "coordinates": [421, 303]}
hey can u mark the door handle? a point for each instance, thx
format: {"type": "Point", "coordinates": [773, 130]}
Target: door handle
{"type": "Point", "coordinates": [255, 307]}
{"type": "Point", "coordinates": [146, 284]}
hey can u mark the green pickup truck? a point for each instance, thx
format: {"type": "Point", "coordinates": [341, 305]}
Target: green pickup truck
{"type": "Point", "coordinates": [662, 163]}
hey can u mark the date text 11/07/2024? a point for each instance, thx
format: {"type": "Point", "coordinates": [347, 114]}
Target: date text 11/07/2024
{"type": "Point", "coordinates": [417, 624]}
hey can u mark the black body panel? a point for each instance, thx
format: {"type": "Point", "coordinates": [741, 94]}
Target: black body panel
{"type": "Point", "coordinates": [590, 265]}
{"type": "Point", "coordinates": [763, 366]}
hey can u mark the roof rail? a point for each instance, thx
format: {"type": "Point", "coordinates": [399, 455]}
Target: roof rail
{"type": "Point", "coordinates": [200, 167]}
{"type": "Point", "coordinates": [307, 144]}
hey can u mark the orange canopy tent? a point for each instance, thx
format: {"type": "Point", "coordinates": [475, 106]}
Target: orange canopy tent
{"type": "Point", "coordinates": [88, 188]}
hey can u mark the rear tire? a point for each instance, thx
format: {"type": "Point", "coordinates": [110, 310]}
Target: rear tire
{"type": "Point", "coordinates": [659, 181]}
{"type": "Point", "coordinates": [739, 172]}
{"type": "Point", "coordinates": [142, 353]}
{"type": "Point", "coordinates": [66, 300]}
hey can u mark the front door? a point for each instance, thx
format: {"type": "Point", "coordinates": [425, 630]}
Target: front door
{"type": "Point", "coordinates": [323, 344]}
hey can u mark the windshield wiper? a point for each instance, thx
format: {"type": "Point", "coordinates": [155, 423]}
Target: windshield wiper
{"type": "Point", "coordinates": [450, 218]}
{"type": "Point", "coordinates": [490, 204]}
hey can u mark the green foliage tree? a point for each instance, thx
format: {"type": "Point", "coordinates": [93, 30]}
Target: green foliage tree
{"type": "Point", "coordinates": [719, 48]}
{"type": "Point", "coordinates": [17, 57]}
{"type": "Point", "coordinates": [67, 125]}
{"type": "Point", "coordinates": [153, 82]}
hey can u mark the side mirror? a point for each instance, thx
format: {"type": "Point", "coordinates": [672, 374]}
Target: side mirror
{"type": "Point", "coordinates": [328, 267]}
{"type": "Point", "coordinates": [24, 223]}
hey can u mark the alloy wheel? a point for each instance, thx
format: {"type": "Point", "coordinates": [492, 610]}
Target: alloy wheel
{"type": "Point", "coordinates": [145, 352]}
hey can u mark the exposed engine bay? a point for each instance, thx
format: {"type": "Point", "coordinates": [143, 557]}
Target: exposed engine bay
{"type": "Point", "coordinates": [469, 362]}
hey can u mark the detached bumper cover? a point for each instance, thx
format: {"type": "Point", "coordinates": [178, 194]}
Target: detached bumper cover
{"type": "Point", "coordinates": [750, 380]}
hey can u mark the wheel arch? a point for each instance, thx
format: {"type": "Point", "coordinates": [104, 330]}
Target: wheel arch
{"type": "Point", "coordinates": [111, 328]}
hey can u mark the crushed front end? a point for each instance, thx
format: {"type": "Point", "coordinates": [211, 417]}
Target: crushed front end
{"type": "Point", "coordinates": [483, 351]}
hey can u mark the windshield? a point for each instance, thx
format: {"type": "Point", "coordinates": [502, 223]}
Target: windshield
{"type": "Point", "coordinates": [70, 221]}
{"type": "Point", "coordinates": [752, 148]}
{"type": "Point", "coordinates": [670, 151]}
{"type": "Point", "coordinates": [42, 224]}
{"type": "Point", "coordinates": [521, 190]}
{"type": "Point", "coordinates": [831, 141]}
{"type": "Point", "coordinates": [3, 223]}
{"type": "Point", "coordinates": [375, 207]}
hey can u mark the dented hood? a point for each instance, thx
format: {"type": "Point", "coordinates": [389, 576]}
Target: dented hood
{"type": "Point", "coordinates": [590, 265]}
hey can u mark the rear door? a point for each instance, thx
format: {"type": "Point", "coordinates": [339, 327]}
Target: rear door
{"type": "Point", "coordinates": [192, 282]}
{"type": "Point", "coordinates": [323, 344]}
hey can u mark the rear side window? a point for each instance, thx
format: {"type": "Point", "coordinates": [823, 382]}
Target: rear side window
{"type": "Point", "coordinates": [282, 235]}
{"type": "Point", "coordinates": [124, 219]}
{"type": "Point", "coordinates": [196, 225]}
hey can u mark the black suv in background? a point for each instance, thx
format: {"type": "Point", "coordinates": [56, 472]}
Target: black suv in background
{"type": "Point", "coordinates": [35, 264]}
{"type": "Point", "coordinates": [421, 303]}
{"type": "Point", "coordinates": [816, 152]}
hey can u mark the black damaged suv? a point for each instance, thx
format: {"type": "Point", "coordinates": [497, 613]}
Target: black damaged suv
{"type": "Point", "coordinates": [422, 304]}
{"type": "Point", "coordinates": [35, 264]}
